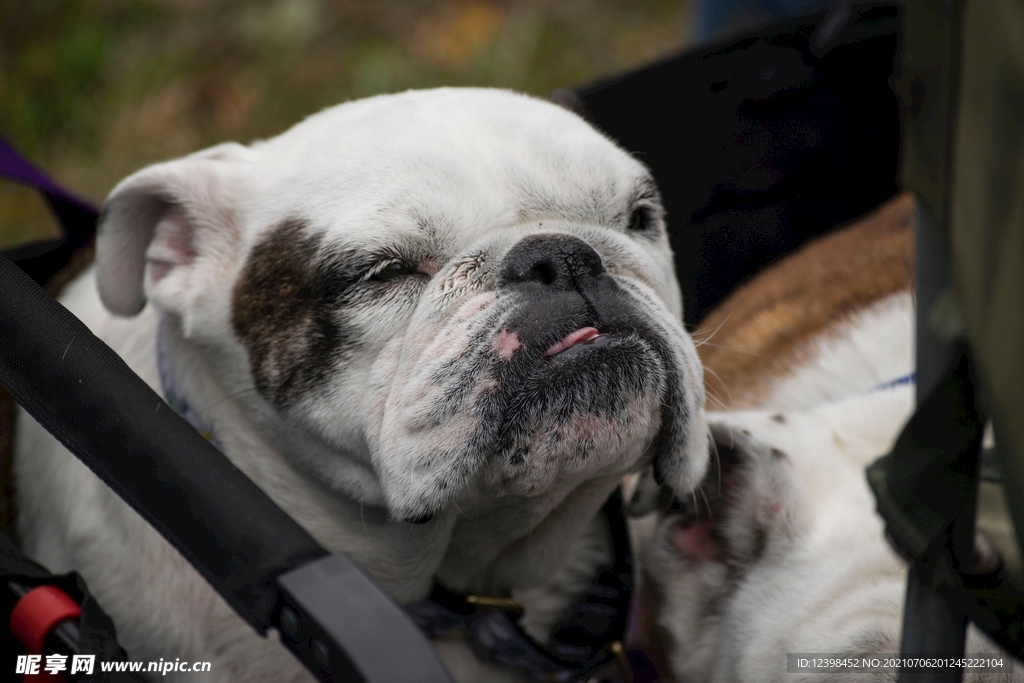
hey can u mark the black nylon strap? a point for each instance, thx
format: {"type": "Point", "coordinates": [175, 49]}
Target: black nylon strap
{"type": "Point", "coordinates": [83, 393]}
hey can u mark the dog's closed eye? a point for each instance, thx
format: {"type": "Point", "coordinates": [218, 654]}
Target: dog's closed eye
{"type": "Point", "coordinates": [392, 271]}
{"type": "Point", "coordinates": [389, 272]}
{"type": "Point", "coordinates": [645, 208]}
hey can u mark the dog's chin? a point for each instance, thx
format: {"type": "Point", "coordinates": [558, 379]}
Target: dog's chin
{"type": "Point", "coordinates": [523, 408]}
{"type": "Point", "coordinates": [590, 410]}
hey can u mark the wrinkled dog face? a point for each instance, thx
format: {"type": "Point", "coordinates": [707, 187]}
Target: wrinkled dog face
{"type": "Point", "coordinates": [438, 295]}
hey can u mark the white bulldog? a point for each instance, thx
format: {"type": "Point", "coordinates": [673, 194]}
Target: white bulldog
{"type": "Point", "coordinates": [780, 550]}
{"type": "Point", "coordinates": [435, 327]}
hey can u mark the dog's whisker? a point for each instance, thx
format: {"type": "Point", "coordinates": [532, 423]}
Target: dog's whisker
{"type": "Point", "coordinates": [712, 396]}
{"type": "Point", "coordinates": [473, 519]}
{"type": "Point", "coordinates": [716, 460]}
{"type": "Point", "coordinates": [729, 348]}
{"type": "Point", "coordinates": [701, 340]}
{"type": "Point", "coordinates": [724, 384]}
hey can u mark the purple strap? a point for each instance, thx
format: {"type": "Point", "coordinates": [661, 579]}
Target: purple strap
{"type": "Point", "coordinates": [42, 260]}
{"type": "Point", "coordinates": [17, 168]}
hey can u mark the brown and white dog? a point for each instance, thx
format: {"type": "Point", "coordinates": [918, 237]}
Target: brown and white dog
{"type": "Point", "coordinates": [435, 327]}
{"type": "Point", "coordinates": [780, 551]}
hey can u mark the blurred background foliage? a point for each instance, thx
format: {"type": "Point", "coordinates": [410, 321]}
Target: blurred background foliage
{"type": "Point", "coordinates": [93, 89]}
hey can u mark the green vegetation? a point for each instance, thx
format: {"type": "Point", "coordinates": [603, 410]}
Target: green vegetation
{"type": "Point", "coordinates": [94, 89]}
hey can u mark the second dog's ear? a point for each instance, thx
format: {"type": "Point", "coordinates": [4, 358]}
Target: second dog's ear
{"type": "Point", "coordinates": [748, 500]}
{"type": "Point", "coordinates": [169, 230]}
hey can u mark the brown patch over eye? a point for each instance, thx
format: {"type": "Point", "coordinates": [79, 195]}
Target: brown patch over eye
{"type": "Point", "coordinates": [284, 311]}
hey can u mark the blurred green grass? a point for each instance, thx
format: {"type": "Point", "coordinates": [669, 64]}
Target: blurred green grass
{"type": "Point", "coordinates": [94, 89]}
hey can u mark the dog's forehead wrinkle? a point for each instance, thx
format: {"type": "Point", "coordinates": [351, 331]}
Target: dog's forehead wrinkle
{"type": "Point", "coordinates": [595, 184]}
{"type": "Point", "coordinates": [541, 200]}
{"type": "Point", "coordinates": [548, 210]}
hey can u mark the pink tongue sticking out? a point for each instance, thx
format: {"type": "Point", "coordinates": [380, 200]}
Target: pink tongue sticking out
{"type": "Point", "coordinates": [581, 335]}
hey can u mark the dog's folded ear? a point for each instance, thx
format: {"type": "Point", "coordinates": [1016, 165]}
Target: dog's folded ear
{"type": "Point", "coordinates": [749, 500]}
{"type": "Point", "coordinates": [168, 229]}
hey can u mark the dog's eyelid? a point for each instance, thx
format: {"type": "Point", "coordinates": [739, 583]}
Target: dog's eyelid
{"type": "Point", "coordinates": [396, 268]}
{"type": "Point", "coordinates": [642, 217]}
{"type": "Point", "coordinates": [645, 208]}
{"type": "Point", "coordinates": [386, 270]}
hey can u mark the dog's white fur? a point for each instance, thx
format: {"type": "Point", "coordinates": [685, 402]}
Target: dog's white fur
{"type": "Point", "coordinates": [820, 578]}
{"type": "Point", "coordinates": [871, 348]}
{"type": "Point", "coordinates": [457, 178]}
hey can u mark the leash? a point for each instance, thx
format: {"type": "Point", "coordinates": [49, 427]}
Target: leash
{"type": "Point", "coordinates": [174, 398]}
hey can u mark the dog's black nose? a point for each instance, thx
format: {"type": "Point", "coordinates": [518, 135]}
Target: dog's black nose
{"type": "Point", "coordinates": [558, 261]}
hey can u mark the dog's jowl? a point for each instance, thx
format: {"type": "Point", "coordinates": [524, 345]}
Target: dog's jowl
{"type": "Point", "coordinates": [435, 327]}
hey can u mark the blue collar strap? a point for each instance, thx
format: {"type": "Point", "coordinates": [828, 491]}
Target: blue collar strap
{"type": "Point", "coordinates": [899, 381]}
{"type": "Point", "coordinates": [173, 397]}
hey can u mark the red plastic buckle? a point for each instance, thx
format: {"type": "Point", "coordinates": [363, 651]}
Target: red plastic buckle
{"type": "Point", "coordinates": [34, 616]}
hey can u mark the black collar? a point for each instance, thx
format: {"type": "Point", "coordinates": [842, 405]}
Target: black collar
{"type": "Point", "coordinates": [588, 639]}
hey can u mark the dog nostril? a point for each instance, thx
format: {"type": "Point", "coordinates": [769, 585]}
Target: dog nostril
{"type": "Point", "coordinates": [542, 273]}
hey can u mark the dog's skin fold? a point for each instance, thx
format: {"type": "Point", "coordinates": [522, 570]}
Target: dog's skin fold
{"type": "Point", "coordinates": [436, 328]}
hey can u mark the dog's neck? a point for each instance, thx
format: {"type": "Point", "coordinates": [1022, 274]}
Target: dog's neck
{"type": "Point", "coordinates": [504, 546]}
{"type": "Point", "coordinates": [403, 560]}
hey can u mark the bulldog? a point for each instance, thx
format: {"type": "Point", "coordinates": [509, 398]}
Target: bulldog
{"type": "Point", "coordinates": [435, 327]}
{"type": "Point", "coordinates": [780, 551]}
